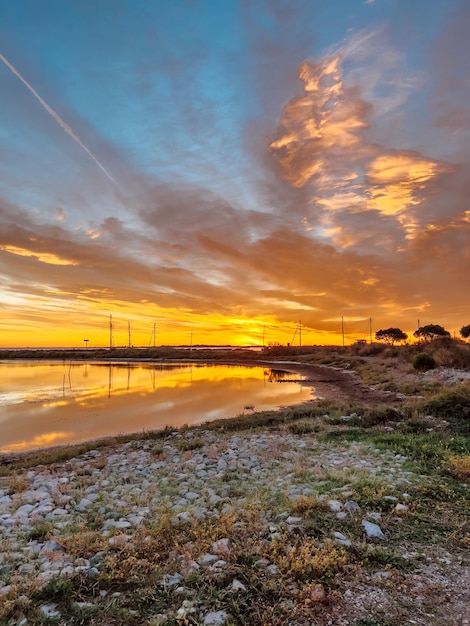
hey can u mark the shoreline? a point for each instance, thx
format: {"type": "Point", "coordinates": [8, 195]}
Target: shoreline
{"type": "Point", "coordinates": [331, 383]}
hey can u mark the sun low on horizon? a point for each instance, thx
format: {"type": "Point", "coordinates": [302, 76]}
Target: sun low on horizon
{"type": "Point", "coordinates": [231, 173]}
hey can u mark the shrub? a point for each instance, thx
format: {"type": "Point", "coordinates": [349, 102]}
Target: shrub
{"type": "Point", "coordinates": [450, 352]}
{"type": "Point", "coordinates": [424, 362]}
{"type": "Point", "coordinates": [454, 402]}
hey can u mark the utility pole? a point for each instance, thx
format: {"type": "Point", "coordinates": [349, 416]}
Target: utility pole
{"type": "Point", "coordinates": [110, 332]}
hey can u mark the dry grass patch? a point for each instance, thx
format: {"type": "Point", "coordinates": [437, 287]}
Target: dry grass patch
{"type": "Point", "coordinates": [305, 505]}
{"type": "Point", "coordinates": [85, 543]}
{"type": "Point", "coordinates": [459, 466]}
{"type": "Point", "coordinates": [307, 559]}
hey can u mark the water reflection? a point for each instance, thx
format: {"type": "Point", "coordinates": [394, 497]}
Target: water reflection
{"type": "Point", "coordinates": [44, 404]}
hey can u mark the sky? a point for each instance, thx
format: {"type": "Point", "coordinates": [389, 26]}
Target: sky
{"type": "Point", "coordinates": [236, 172]}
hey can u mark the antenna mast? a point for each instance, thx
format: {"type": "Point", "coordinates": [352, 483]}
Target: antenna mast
{"type": "Point", "coordinates": [110, 332]}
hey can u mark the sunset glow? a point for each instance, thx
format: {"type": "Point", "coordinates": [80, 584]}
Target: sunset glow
{"type": "Point", "coordinates": [232, 173]}
{"type": "Point", "coordinates": [60, 403]}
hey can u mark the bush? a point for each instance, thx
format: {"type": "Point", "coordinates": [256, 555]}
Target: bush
{"type": "Point", "coordinates": [450, 353]}
{"type": "Point", "coordinates": [452, 403]}
{"type": "Point", "coordinates": [424, 362]}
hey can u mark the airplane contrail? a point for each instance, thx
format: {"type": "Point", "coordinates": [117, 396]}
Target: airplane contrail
{"type": "Point", "coordinates": [57, 118]}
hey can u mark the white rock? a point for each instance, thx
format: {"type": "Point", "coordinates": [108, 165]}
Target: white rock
{"type": "Point", "coordinates": [49, 610]}
{"type": "Point", "coordinates": [52, 546]}
{"type": "Point", "coordinates": [172, 579]}
{"type": "Point", "coordinates": [5, 502]}
{"type": "Point", "coordinates": [341, 539]}
{"type": "Point", "coordinates": [24, 510]}
{"type": "Point", "coordinates": [335, 505]}
{"type": "Point", "coordinates": [221, 546]}
{"type": "Point", "coordinates": [237, 585]}
{"type": "Point", "coordinates": [84, 504]}
{"type": "Point", "coordinates": [186, 609]}
{"type": "Point", "coordinates": [215, 618]}
{"type": "Point", "coordinates": [401, 508]}
{"type": "Point", "coordinates": [373, 531]}
{"type": "Point", "coordinates": [110, 523]}
{"type": "Point", "coordinates": [208, 559]}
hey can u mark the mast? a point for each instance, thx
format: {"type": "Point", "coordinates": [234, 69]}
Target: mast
{"type": "Point", "coordinates": [342, 328]}
{"type": "Point", "coordinates": [370, 330]}
{"type": "Point", "coordinates": [300, 333]}
{"type": "Point", "coordinates": [110, 332]}
{"type": "Point", "coordinates": [153, 336]}
{"type": "Point", "coordinates": [129, 334]}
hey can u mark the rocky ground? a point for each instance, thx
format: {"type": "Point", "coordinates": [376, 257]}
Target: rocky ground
{"type": "Point", "coordinates": [201, 526]}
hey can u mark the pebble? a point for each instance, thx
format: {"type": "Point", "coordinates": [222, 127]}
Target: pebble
{"type": "Point", "coordinates": [49, 610]}
{"type": "Point", "coordinates": [215, 618]}
{"type": "Point", "coordinates": [341, 539]}
{"type": "Point", "coordinates": [373, 531]}
{"type": "Point", "coordinates": [133, 487]}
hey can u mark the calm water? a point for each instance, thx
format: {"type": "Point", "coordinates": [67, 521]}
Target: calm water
{"type": "Point", "coordinates": [46, 404]}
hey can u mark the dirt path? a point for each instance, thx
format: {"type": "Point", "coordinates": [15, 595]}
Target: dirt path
{"type": "Point", "coordinates": [330, 382]}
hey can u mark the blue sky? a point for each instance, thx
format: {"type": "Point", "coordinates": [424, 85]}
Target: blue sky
{"type": "Point", "coordinates": [201, 162]}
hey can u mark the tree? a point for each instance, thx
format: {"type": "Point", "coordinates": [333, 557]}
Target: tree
{"type": "Point", "coordinates": [390, 335]}
{"type": "Point", "coordinates": [431, 332]}
{"type": "Point", "coordinates": [465, 331]}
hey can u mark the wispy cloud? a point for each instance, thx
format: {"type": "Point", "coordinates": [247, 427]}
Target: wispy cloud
{"type": "Point", "coordinates": [65, 127]}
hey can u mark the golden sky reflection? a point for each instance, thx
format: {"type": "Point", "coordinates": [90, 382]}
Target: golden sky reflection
{"type": "Point", "coordinates": [50, 404]}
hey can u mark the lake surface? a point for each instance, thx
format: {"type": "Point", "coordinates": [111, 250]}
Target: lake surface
{"type": "Point", "coordinates": [54, 403]}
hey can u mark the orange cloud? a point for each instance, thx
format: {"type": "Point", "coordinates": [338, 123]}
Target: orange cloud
{"type": "Point", "coordinates": [397, 179]}
{"type": "Point", "coordinates": [45, 257]}
{"type": "Point", "coordinates": [321, 146]}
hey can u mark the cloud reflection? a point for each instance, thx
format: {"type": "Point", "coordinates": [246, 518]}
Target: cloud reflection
{"type": "Point", "coordinates": [105, 400]}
